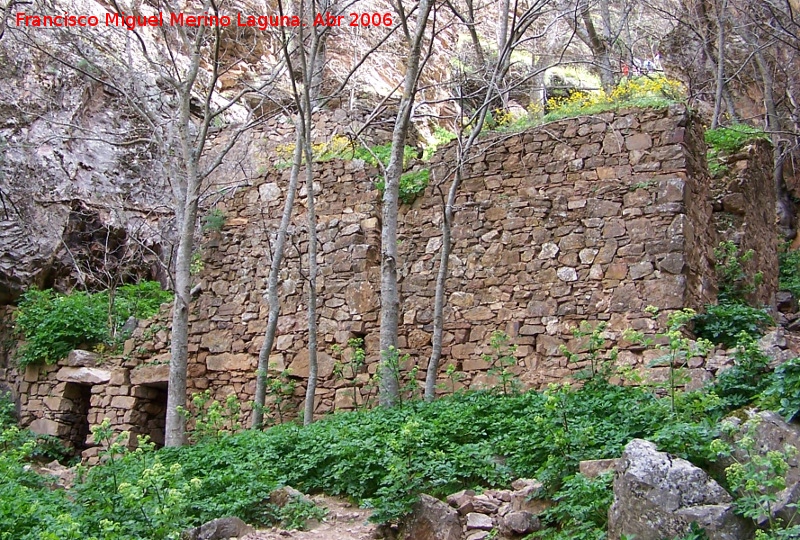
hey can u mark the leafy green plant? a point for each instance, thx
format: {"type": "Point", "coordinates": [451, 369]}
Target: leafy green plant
{"type": "Point", "coordinates": [782, 392]}
{"type": "Point", "coordinates": [210, 418]}
{"type": "Point", "coordinates": [789, 270]}
{"type": "Point", "coordinates": [52, 324]}
{"type": "Point", "coordinates": [748, 377]}
{"type": "Point", "coordinates": [695, 533]}
{"type": "Point", "coordinates": [441, 136]}
{"type": "Point", "coordinates": [391, 362]}
{"type": "Point", "coordinates": [281, 389]}
{"type": "Point", "coordinates": [734, 283]}
{"type": "Point", "coordinates": [349, 364]}
{"type": "Point", "coordinates": [724, 323]}
{"type": "Point", "coordinates": [591, 338]}
{"type": "Point", "coordinates": [728, 140]}
{"type": "Point", "coordinates": [141, 300]}
{"type": "Point", "coordinates": [732, 138]}
{"type": "Point", "coordinates": [453, 376]}
{"type": "Point", "coordinates": [677, 349]}
{"type": "Point", "coordinates": [382, 153]}
{"type": "Point", "coordinates": [412, 184]}
{"type": "Point", "coordinates": [297, 513]}
{"type": "Point", "coordinates": [501, 360]}
{"type": "Point", "coordinates": [214, 220]}
{"type": "Point", "coordinates": [135, 493]}
{"type": "Point", "coordinates": [580, 511]}
{"type": "Point", "coordinates": [755, 478]}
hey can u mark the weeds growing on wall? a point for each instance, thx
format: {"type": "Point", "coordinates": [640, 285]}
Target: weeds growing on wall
{"type": "Point", "coordinates": [728, 140]}
{"type": "Point", "coordinates": [51, 324]}
{"type": "Point", "coordinates": [214, 220]}
{"type": "Point", "coordinates": [650, 91]}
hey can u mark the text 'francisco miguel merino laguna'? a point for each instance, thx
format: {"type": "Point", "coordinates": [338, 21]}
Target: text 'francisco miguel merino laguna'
{"type": "Point", "coordinates": [262, 22]}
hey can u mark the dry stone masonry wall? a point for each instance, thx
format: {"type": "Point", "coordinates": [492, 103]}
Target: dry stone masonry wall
{"type": "Point", "coordinates": [584, 219]}
{"type": "Point", "coordinates": [590, 218]}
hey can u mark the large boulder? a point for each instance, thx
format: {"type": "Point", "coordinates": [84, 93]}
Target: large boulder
{"type": "Point", "coordinates": [657, 496]}
{"type": "Point", "coordinates": [431, 519]}
{"type": "Point", "coordinates": [218, 529]}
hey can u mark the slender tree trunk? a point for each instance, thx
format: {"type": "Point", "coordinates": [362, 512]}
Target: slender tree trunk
{"type": "Point", "coordinates": [784, 208]}
{"type": "Point", "coordinates": [718, 97]}
{"type": "Point", "coordinates": [441, 281]}
{"type": "Point", "coordinates": [599, 49]}
{"type": "Point", "coordinates": [312, 62]}
{"type": "Point", "coordinates": [175, 429]}
{"type": "Point", "coordinates": [390, 299]}
{"type": "Point", "coordinates": [272, 288]}
{"type": "Point", "coordinates": [311, 388]}
{"type": "Point", "coordinates": [447, 224]}
{"type": "Point", "coordinates": [502, 28]}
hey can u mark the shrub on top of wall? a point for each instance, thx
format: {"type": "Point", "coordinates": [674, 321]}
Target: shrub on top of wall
{"type": "Point", "coordinates": [52, 324]}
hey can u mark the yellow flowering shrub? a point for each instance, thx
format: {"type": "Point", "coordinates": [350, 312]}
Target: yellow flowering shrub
{"type": "Point", "coordinates": [645, 91]}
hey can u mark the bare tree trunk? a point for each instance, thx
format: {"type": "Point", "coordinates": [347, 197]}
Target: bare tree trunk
{"type": "Point", "coordinates": [502, 28]}
{"type": "Point", "coordinates": [718, 97]}
{"type": "Point", "coordinates": [311, 388]}
{"type": "Point", "coordinates": [475, 124]}
{"type": "Point", "coordinates": [469, 22]}
{"type": "Point", "coordinates": [390, 299]}
{"type": "Point", "coordinates": [584, 27]}
{"type": "Point", "coordinates": [174, 432]}
{"type": "Point", "coordinates": [463, 151]}
{"type": "Point", "coordinates": [312, 74]}
{"type": "Point", "coordinates": [272, 287]}
{"type": "Point", "coordinates": [786, 217]}
{"type": "Point", "coordinates": [441, 280]}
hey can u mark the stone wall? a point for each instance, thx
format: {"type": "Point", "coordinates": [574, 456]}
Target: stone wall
{"type": "Point", "coordinates": [743, 202]}
{"type": "Point", "coordinates": [585, 219]}
{"type": "Point", "coordinates": [590, 218]}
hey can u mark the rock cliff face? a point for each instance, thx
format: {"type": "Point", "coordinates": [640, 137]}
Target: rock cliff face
{"type": "Point", "coordinates": [70, 150]}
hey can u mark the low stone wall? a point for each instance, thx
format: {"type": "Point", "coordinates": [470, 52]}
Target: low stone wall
{"type": "Point", "coordinates": [66, 399]}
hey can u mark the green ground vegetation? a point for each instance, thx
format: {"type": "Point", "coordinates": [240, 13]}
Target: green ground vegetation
{"type": "Point", "coordinates": [723, 322]}
{"type": "Point", "coordinates": [384, 458]}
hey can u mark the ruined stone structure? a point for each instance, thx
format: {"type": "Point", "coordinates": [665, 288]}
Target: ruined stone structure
{"type": "Point", "coordinates": [590, 218]}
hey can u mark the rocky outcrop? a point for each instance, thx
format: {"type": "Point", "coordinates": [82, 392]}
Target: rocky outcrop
{"type": "Point", "coordinates": [659, 496]}
{"type": "Point", "coordinates": [431, 519]}
{"type": "Point", "coordinates": [78, 176]}
{"type": "Point", "coordinates": [226, 528]}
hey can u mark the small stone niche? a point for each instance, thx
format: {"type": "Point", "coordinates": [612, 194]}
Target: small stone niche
{"type": "Point", "coordinates": [74, 412]}
{"type": "Point", "coordinates": [149, 415]}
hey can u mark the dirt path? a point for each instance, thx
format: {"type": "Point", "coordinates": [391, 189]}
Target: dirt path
{"type": "Point", "coordinates": [344, 522]}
